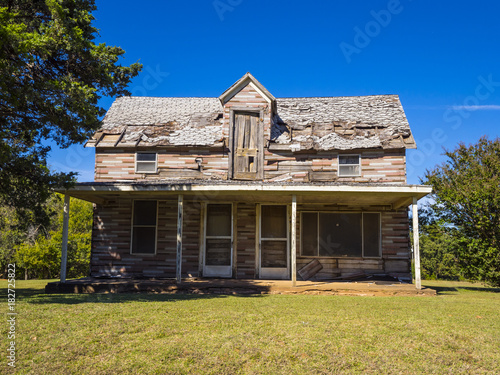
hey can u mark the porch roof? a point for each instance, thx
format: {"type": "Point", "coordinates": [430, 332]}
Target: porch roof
{"type": "Point", "coordinates": [384, 196]}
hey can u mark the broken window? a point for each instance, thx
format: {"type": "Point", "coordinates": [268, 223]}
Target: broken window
{"type": "Point", "coordinates": [349, 165]}
{"type": "Point", "coordinates": [144, 227]}
{"type": "Point", "coordinates": [145, 162]}
{"type": "Point", "coordinates": [339, 234]}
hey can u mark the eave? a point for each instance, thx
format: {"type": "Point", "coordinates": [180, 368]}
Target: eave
{"type": "Point", "coordinates": [385, 197]}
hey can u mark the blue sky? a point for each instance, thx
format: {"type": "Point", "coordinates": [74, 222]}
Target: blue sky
{"type": "Point", "coordinates": [442, 59]}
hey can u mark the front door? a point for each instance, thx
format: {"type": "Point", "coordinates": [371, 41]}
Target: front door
{"type": "Point", "coordinates": [218, 254]}
{"type": "Point", "coordinates": [273, 242]}
{"type": "Point", "coordinates": [245, 145]}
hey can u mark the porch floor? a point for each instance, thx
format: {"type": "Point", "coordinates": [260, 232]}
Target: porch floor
{"type": "Point", "coordinates": [236, 286]}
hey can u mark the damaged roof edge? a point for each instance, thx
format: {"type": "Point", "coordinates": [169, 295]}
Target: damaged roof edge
{"type": "Point", "coordinates": [297, 124]}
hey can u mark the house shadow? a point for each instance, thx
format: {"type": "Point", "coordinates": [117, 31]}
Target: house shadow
{"type": "Point", "coordinates": [93, 290]}
{"type": "Point", "coordinates": [110, 298]}
{"type": "Point", "coordinates": [440, 290]}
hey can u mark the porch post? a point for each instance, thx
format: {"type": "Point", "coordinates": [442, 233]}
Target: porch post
{"type": "Point", "coordinates": [293, 234]}
{"type": "Point", "coordinates": [64, 249]}
{"type": "Point", "coordinates": [180, 213]}
{"type": "Point", "coordinates": [416, 248]}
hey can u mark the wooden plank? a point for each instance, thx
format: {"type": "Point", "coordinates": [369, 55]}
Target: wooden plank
{"type": "Point", "coordinates": [310, 269]}
{"type": "Point", "coordinates": [246, 152]}
{"type": "Point", "coordinates": [218, 252]}
{"type": "Point", "coordinates": [179, 173]}
{"type": "Point", "coordinates": [403, 202]}
{"type": "Point", "coordinates": [416, 245]}
{"type": "Point", "coordinates": [201, 243]}
{"type": "Point", "coordinates": [180, 214]}
{"type": "Point", "coordinates": [274, 253]}
{"type": "Point", "coordinates": [253, 131]}
{"type": "Point", "coordinates": [261, 134]}
{"type": "Point", "coordinates": [245, 175]}
{"type": "Point", "coordinates": [257, 240]}
{"type": "Point", "coordinates": [323, 176]}
{"type": "Point", "coordinates": [235, 239]}
{"type": "Point", "coordinates": [293, 234]}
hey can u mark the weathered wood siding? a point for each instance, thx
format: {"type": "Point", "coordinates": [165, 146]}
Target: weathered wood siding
{"type": "Point", "coordinates": [191, 238]}
{"type": "Point", "coordinates": [381, 166]}
{"type": "Point", "coordinates": [112, 236]}
{"type": "Point", "coordinates": [245, 255]}
{"type": "Point", "coordinates": [119, 164]}
{"type": "Point", "coordinates": [395, 257]}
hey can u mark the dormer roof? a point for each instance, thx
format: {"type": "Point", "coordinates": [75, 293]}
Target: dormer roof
{"type": "Point", "coordinates": [247, 79]}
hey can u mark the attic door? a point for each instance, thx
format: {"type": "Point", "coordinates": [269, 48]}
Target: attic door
{"type": "Point", "coordinates": [246, 146]}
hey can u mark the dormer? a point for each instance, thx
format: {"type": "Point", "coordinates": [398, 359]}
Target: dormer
{"type": "Point", "coordinates": [248, 110]}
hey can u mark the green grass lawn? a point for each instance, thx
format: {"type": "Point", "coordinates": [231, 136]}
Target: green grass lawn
{"type": "Point", "coordinates": [456, 332]}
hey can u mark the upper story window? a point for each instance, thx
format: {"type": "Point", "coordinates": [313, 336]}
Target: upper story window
{"type": "Point", "coordinates": [349, 166]}
{"type": "Point", "coordinates": [145, 162]}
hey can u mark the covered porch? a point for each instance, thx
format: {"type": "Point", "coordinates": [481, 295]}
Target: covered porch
{"type": "Point", "coordinates": [311, 199]}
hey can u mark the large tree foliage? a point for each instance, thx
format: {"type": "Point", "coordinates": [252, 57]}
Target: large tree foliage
{"type": "Point", "coordinates": [467, 197]}
{"type": "Point", "coordinates": [438, 247]}
{"type": "Point", "coordinates": [52, 76]}
{"type": "Point", "coordinates": [37, 252]}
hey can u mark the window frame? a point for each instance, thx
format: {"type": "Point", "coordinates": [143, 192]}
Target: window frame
{"type": "Point", "coordinates": [132, 226]}
{"type": "Point", "coordinates": [350, 175]}
{"type": "Point", "coordinates": [138, 162]}
{"type": "Point", "coordinates": [362, 235]}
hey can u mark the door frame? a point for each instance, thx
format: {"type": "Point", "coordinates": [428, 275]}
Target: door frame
{"type": "Point", "coordinates": [217, 271]}
{"type": "Point", "coordinates": [260, 140]}
{"type": "Point", "coordinates": [270, 272]}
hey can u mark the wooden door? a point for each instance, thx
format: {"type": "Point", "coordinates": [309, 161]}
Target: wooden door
{"type": "Point", "coordinates": [246, 146]}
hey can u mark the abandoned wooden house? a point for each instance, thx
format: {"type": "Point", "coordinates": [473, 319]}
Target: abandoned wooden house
{"type": "Point", "coordinates": [250, 186]}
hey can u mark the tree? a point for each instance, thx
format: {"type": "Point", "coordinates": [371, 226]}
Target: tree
{"type": "Point", "coordinates": [467, 196]}
{"type": "Point", "coordinates": [438, 247]}
{"type": "Point", "coordinates": [53, 74]}
{"type": "Point", "coordinates": [12, 233]}
{"type": "Point", "coordinates": [41, 256]}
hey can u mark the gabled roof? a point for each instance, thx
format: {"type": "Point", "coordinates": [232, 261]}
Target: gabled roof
{"type": "Point", "coordinates": [247, 79]}
{"type": "Point", "coordinates": [344, 123]}
{"type": "Point", "coordinates": [320, 123]}
{"type": "Point", "coordinates": [133, 121]}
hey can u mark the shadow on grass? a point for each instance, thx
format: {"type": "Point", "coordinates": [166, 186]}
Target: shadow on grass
{"type": "Point", "coordinates": [448, 290]}
{"type": "Point", "coordinates": [37, 296]}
